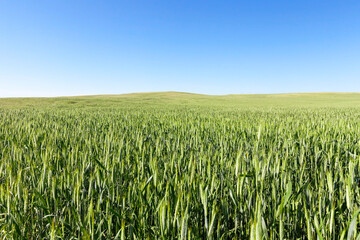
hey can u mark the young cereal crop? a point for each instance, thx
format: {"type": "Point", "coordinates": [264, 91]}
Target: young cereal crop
{"type": "Point", "coordinates": [181, 167]}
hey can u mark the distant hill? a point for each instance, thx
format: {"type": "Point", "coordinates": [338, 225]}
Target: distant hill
{"type": "Point", "coordinates": [183, 98]}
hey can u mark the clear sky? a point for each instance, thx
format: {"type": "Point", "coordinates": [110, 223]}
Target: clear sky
{"type": "Point", "coordinates": [60, 47]}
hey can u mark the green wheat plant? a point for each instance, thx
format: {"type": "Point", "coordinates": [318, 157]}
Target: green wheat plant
{"type": "Point", "coordinates": [180, 167]}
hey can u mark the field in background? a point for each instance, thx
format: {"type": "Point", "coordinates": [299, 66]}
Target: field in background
{"type": "Point", "coordinates": [179, 98]}
{"type": "Point", "coordinates": [180, 166]}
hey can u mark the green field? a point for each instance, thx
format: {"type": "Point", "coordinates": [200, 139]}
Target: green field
{"type": "Point", "coordinates": [180, 166]}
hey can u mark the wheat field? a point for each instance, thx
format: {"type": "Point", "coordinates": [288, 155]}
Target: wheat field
{"type": "Point", "coordinates": [180, 166]}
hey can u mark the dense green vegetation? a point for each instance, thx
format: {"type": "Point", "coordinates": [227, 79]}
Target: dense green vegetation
{"type": "Point", "coordinates": [180, 166]}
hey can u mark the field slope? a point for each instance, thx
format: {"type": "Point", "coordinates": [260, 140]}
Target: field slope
{"type": "Point", "coordinates": [175, 165]}
{"type": "Point", "coordinates": [180, 98]}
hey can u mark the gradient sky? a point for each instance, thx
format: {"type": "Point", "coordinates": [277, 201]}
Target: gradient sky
{"type": "Point", "coordinates": [59, 48]}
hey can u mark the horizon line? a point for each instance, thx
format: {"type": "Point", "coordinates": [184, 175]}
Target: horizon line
{"type": "Point", "coordinates": [179, 92]}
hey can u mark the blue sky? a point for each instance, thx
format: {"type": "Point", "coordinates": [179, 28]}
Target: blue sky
{"type": "Point", "coordinates": [59, 48]}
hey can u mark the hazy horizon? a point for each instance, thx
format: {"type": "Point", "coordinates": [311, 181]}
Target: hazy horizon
{"type": "Point", "coordinates": [191, 93]}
